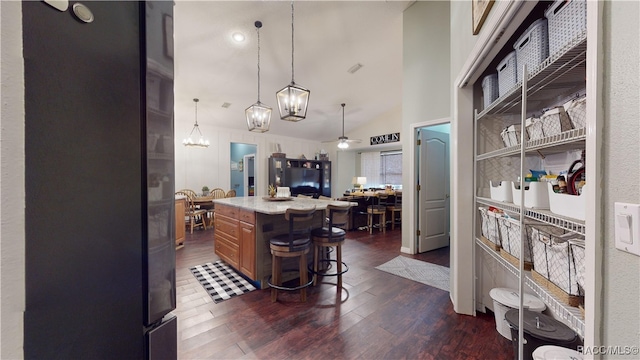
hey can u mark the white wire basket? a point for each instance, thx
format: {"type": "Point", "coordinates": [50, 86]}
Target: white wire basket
{"type": "Point", "coordinates": [555, 121]}
{"type": "Point", "coordinates": [566, 21]}
{"type": "Point", "coordinates": [532, 48]}
{"type": "Point", "coordinates": [577, 111]}
{"type": "Point", "coordinates": [554, 260]}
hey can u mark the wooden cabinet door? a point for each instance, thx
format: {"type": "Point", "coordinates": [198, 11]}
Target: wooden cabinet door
{"type": "Point", "coordinates": [181, 231]}
{"type": "Point", "coordinates": [248, 249]}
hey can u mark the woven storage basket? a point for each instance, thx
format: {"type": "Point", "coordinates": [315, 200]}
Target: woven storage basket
{"type": "Point", "coordinates": [579, 258]}
{"type": "Point", "coordinates": [553, 259]}
{"type": "Point", "coordinates": [555, 121]}
{"type": "Point", "coordinates": [511, 135]}
{"type": "Point", "coordinates": [507, 73]}
{"type": "Point", "coordinates": [490, 229]}
{"type": "Point", "coordinates": [490, 89]}
{"type": "Point", "coordinates": [577, 112]}
{"type": "Point", "coordinates": [511, 241]}
{"type": "Point", "coordinates": [532, 48]}
{"type": "Point", "coordinates": [534, 128]}
{"type": "Point", "coordinates": [567, 20]}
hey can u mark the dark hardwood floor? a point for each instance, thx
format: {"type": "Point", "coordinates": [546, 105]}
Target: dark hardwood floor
{"type": "Point", "coordinates": [376, 316]}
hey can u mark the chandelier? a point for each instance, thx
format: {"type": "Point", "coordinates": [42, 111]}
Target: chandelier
{"type": "Point", "coordinates": [292, 99]}
{"type": "Point", "coordinates": [258, 115]}
{"type": "Point", "coordinates": [189, 141]}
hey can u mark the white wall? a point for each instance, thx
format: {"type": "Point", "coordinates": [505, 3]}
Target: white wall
{"type": "Point", "coordinates": [12, 236]}
{"type": "Point", "coordinates": [621, 99]}
{"type": "Point", "coordinates": [346, 165]}
{"type": "Point", "coordinates": [425, 87]}
{"type": "Point", "coordinates": [211, 166]}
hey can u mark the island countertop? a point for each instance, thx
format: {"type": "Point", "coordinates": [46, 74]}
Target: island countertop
{"type": "Point", "coordinates": [260, 205]}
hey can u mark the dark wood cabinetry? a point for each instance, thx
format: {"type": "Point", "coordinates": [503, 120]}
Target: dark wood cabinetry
{"type": "Point", "coordinates": [303, 177]}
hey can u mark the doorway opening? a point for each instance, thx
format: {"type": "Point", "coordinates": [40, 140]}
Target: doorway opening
{"type": "Point", "coordinates": [243, 169]}
{"type": "Point", "coordinates": [432, 202]}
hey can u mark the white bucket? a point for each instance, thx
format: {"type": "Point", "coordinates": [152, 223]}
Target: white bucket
{"type": "Point", "coordinates": [552, 352]}
{"type": "Point", "coordinates": [505, 299]}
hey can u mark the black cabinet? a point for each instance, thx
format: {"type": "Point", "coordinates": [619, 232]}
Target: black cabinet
{"type": "Point", "coordinates": [303, 177]}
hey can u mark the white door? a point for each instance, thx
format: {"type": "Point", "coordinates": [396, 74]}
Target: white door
{"type": "Point", "coordinates": [434, 190]}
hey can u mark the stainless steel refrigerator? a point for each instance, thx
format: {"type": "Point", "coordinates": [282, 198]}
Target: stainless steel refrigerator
{"type": "Point", "coordinates": [99, 151]}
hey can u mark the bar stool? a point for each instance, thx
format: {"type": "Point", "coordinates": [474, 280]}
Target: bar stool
{"type": "Point", "coordinates": [296, 243]}
{"type": "Point", "coordinates": [378, 208]}
{"type": "Point", "coordinates": [396, 208]}
{"type": "Point", "coordinates": [332, 235]}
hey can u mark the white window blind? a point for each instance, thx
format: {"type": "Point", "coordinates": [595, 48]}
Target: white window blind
{"type": "Point", "coordinates": [391, 168]}
{"type": "Point", "coordinates": [370, 167]}
{"type": "Point", "coordinates": [381, 168]}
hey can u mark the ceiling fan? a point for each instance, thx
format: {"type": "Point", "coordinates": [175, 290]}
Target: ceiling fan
{"type": "Point", "coordinates": [343, 141]}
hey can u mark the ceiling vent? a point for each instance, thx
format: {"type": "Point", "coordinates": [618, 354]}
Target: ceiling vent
{"type": "Point", "coordinates": [355, 68]}
{"type": "Point", "coordinates": [226, 105]}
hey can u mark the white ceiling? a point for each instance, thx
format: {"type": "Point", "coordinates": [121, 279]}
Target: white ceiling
{"type": "Point", "coordinates": [329, 38]}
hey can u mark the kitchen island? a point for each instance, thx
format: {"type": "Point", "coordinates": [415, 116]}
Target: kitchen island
{"type": "Point", "coordinates": [244, 225]}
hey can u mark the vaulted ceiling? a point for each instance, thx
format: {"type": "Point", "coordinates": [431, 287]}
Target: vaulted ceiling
{"type": "Point", "coordinates": [330, 37]}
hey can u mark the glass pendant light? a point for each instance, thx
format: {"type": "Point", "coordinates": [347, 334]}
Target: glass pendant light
{"type": "Point", "coordinates": [189, 141]}
{"type": "Point", "coordinates": [293, 99]}
{"type": "Point", "coordinates": [258, 115]}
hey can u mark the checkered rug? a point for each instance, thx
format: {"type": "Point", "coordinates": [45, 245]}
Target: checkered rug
{"type": "Point", "coordinates": [420, 271]}
{"type": "Point", "coordinates": [221, 281]}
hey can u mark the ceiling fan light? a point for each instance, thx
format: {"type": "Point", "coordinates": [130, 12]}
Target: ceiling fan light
{"type": "Point", "coordinates": [343, 144]}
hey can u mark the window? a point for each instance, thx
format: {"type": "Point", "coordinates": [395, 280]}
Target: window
{"type": "Point", "coordinates": [391, 168]}
{"type": "Point", "coordinates": [381, 168]}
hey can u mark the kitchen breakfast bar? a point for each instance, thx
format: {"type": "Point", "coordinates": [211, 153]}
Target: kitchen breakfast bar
{"type": "Point", "coordinates": [244, 225]}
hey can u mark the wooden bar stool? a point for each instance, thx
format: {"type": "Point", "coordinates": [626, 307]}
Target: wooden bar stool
{"type": "Point", "coordinates": [332, 235]}
{"type": "Point", "coordinates": [396, 208]}
{"type": "Point", "coordinates": [296, 243]}
{"type": "Point", "coordinates": [379, 208]}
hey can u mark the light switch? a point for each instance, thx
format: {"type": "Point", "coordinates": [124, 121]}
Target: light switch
{"type": "Point", "coordinates": [627, 227]}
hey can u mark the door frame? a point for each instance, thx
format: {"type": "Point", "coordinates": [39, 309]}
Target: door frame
{"type": "Point", "coordinates": [245, 185]}
{"type": "Point", "coordinates": [413, 201]}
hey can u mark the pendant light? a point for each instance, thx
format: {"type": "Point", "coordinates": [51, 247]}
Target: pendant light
{"type": "Point", "coordinates": [189, 141]}
{"type": "Point", "coordinates": [258, 115]}
{"type": "Point", "coordinates": [292, 99]}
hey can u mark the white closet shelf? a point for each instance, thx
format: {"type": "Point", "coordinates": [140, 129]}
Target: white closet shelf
{"type": "Point", "coordinates": [569, 315]}
{"type": "Point", "coordinates": [554, 144]}
{"type": "Point", "coordinates": [545, 216]}
{"type": "Point", "coordinates": [559, 76]}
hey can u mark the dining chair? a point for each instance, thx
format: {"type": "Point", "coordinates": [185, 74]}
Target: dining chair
{"type": "Point", "coordinates": [188, 191]}
{"type": "Point", "coordinates": [194, 217]}
{"type": "Point", "coordinates": [230, 193]}
{"type": "Point", "coordinates": [217, 193]}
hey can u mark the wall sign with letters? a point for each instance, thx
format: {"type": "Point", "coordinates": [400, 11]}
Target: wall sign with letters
{"type": "Point", "coordinates": [384, 139]}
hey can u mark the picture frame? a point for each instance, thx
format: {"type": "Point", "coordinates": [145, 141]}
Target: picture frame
{"type": "Point", "coordinates": [167, 31]}
{"type": "Point", "coordinates": [479, 11]}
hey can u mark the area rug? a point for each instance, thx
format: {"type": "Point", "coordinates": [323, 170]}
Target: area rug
{"type": "Point", "coordinates": [420, 271]}
{"type": "Point", "coordinates": [221, 281]}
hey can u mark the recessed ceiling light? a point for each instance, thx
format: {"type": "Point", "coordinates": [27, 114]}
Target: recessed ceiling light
{"type": "Point", "coordinates": [238, 37]}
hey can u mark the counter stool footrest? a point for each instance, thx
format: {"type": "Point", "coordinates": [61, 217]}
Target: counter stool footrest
{"type": "Point", "coordinates": [329, 261]}
{"type": "Point", "coordinates": [287, 288]}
